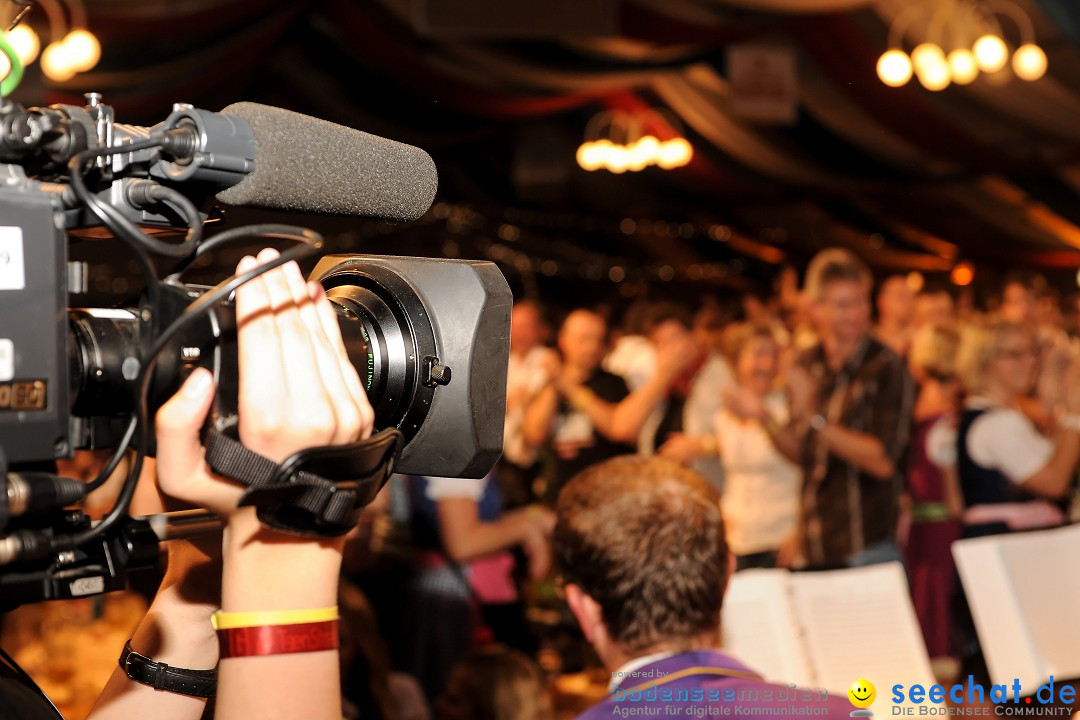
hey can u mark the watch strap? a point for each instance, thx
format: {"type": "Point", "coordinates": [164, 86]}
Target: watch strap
{"type": "Point", "coordinates": [165, 677]}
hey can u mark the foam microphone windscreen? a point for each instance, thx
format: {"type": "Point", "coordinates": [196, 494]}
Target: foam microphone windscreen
{"type": "Point", "coordinates": [306, 164]}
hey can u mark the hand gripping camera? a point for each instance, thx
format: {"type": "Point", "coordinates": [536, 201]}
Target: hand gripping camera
{"type": "Point", "coordinates": [429, 338]}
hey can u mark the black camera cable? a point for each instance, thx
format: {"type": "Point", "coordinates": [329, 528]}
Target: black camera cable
{"type": "Point", "coordinates": [311, 242]}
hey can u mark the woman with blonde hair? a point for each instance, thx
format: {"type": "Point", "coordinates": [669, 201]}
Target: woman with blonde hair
{"type": "Point", "coordinates": [760, 499]}
{"type": "Point", "coordinates": [1012, 476]}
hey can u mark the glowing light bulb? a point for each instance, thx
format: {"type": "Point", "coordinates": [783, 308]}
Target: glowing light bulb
{"type": "Point", "coordinates": [24, 41]}
{"type": "Point", "coordinates": [990, 53]}
{"type": "Point", "coordinates": [962, 274]}
{"type": "Point", "coordinates": [598, 153]}
{"type": "Point", "coordinates": [927, 55]}
{"type": "Point", "coordinates": [962, 66]}
{"type": "Point", "coordinates": [643, 152]}
{"type": "Point", "coordinates": [590, 156]}
{"type": "Point", "coordinates": [5, 66]}
{"type": "Point", "coordinates": [55, 62]}
{"type": "Point", "coordinates": [617, 159]}
{"type": "Point", "coordinates": [674, 153]}
{"type": "Point", "coordinates": [83, 49]}
{"type": "Point", "coordinates": [1029, 62]}
{"type": "Point", "coordinates": [894, 68]}
{"type": "Point", "coordinates": [934, 76]}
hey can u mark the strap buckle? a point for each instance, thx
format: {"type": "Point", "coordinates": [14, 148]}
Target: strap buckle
{"type": "Point", "coordinates": [317, 492]}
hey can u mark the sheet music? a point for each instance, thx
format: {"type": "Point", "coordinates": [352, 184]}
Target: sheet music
{"type": "Point", "coordinates": [1044, 569]}
{"type": "Point", "coordinates": [759, 627]}
{"type": "Point", "coordinates": [860, 623]}
{"type": "Point", "coordinates": [1023, 590]}
{"type": "Point", "coordinates": [1004, 636]}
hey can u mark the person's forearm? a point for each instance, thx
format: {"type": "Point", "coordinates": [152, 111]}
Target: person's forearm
{"type": "Point", "coordinates": [176, 630]}
{"type": "Point", "coordinates": [787, 439]}
{"type": "Point", "coordinates": [483, 538]}
{"type": "Point", "coordinates": [1055, 478]}
{"type": "Point", "coordinates": [271, 571]}
{"type": "Point", "coordinates": [539, 417]}
{"type": "Point", "coordinates": [600, 412]}
{"type": "Point", "coordinates": [954, 496]}
{"type": "Point", "coordinates": [630, 414]}
{"type": "Point", "coordinates": [1020, 515]}
{"type": "Point", "coordinates": [862, 450]}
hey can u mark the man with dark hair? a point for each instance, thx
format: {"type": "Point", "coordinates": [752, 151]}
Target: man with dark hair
{"type": "Point", "coordinates": [574, 411]}
{"type": "Point", "coordinates": [851, 411]}
{"type": "Point", "coordinates": [934, 305]}
{"type": "Point", "coordinates": [640, 544]}
{"type": "Point", "coordinates": [684, 428]}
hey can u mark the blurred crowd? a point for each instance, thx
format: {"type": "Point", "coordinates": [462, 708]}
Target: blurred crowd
{"type": "Point", "coordinates": [838, 422]}
{"type": "Point", "coordinates": [842, 421]}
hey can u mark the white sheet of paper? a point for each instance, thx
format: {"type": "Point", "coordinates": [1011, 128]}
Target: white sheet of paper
{"type": "Point", "coordinates": [860, 623]}
{"type": "Point", "coordinates": [759, 627]}
{"type": "Point", "coordinates": [1023, 590]}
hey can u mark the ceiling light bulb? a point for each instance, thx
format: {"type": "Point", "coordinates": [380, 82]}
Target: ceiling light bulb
{"type": "Point", "coordinates": [55, 62]}
{"type": "Point", "coordinates": [991, 54]}
{"type": "Point", "coordinates": [674, 153]}
{"type": "Point", "coordinates": [962, 274]}
{"type": "Point", "coordinates": [644, 152]}
{"type": "Point", "coordinates": [590, 156]}
{"type": "Point", "coordinates": [934, 76]}
{"type": "Point", "coordinates": [83, 49]}
{"type": "Point", "coordinates": [617, 159]}
{"type": "Point", "coordinates": [894, 68]}
{"type": "Point", "coordinates": [25, 42]}
{"type": "Point", "coordinates": [962, 66]}
{"type": "Point", "coordinates": [925, 55]}
{"type": "Point", "coordinates": [1029, 62]}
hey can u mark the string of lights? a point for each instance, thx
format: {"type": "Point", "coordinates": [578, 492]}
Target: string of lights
{"type": "Point", "coordinates": [952, 24]}
{"type": "Point", "coordinates": [72, 48]}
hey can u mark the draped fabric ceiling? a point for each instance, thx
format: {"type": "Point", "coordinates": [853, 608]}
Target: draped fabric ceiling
{"type": "Point", "coordinates": [907, 178]}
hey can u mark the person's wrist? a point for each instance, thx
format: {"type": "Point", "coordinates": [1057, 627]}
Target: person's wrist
{"type": "Point", "coordinates": [1070, 421]}
{"type": "Point", "coordinates": [580, 397]}
{"type": "Point", "coordinates": [195, 578]}
{"type": "Point", "coordinates": [268, 570]}
{"type": "Point", "coordinates": [176, 630]}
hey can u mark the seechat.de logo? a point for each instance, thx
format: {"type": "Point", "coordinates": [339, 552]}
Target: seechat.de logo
{"type": "Point", "coordinates": [862, 695]}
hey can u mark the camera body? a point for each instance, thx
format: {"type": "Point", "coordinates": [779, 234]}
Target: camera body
{"type": "Point", "coordinates": [428, 337]}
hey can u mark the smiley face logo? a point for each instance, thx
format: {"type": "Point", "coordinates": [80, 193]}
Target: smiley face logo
{"type": "Point", "coordinates": [862, 693]}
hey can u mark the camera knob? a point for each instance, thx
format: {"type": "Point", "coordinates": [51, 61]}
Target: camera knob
{"type": "Point", "coordinates": [435, 373]}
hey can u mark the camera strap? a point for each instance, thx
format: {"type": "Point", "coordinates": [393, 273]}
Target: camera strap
{"type": "Point", "coordinates": [317, 492]}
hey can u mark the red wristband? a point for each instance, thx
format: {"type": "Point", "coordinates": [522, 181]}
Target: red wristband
{"type": "Point", "coordinates": [278, 639]}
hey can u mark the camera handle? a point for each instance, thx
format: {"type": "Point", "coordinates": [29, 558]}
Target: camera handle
{"type": "Point", "coordinates": [317, 492]}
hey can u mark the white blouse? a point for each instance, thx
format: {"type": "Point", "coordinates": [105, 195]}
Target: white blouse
{"type": "Point", "coordinates": [760, 502]}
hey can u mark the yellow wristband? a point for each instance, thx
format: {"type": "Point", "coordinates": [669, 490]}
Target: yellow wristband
{"type": "Point", "coordinates": [229, 620]}
{"type": "Point", "coordinates": [581, 397]}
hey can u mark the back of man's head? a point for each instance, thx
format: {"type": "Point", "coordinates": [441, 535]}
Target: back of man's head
{"type": "Point", "coordinates": [644, 538]}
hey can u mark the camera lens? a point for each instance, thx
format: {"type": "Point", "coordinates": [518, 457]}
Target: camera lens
{"type": "Point", "coordinates": [384, 324]}
{"type": "Point", "coordinates": [388, 337]}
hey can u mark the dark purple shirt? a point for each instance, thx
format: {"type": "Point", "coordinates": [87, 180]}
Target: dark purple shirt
{"type": "Point", "coordinates": [710, 683]}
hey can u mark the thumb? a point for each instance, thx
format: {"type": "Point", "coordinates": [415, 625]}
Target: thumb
{"type": "Point", "coordinates": [180, 420]}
